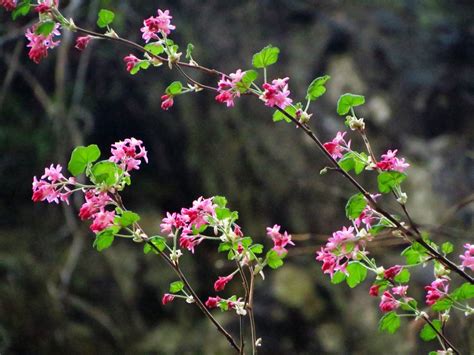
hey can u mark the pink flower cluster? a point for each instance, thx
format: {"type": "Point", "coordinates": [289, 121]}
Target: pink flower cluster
{"type": "Point", "coordinates": [153, 25]}
{"type": "Point", "coordinates": [53, 186]}
{"type": "Point", "coordinates": [276, 93]}
{"type": "Point", "coordinates": [222, 281]}
{"type": "Point", "coordinates": [280, 241]}
{"type": "Point", "coordinates": [437, 290]}
{"type": "Point", "coordinates": [82, 42]}
{"type": "Point", "coordinates": [130, 62]}
{"type": "Point", "coordinates": [468, 257]}
{"type": "Point", "coordinates": [182, 223]}
{"type": "Point", "coordinates": [40, 44]}
{"type": "Point", "coordinates": [338, 146]}
{"type": "Point", "coordinates": [45, 6]}
{"type": "Point", "coordinates": [336, 254]}
{"type": "Point", "coordinates": [127, 154]}
{"type": "Point", "coordinates": [388, 302]}
{"type": "Point", "coordinates": [227, 88]}
{"type": "Point", "coordinates": [237, 305]}
{"type": "Point", "coordinates": [8, 5]}
{"type": "Point", "coordinates": [94, 208]}
{"type": "Point", "coordinates": [390, 162]}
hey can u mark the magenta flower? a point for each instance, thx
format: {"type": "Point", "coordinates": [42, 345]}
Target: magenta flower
{"type": "Point", "coordinates": [374, 290]}
{"type": "Point", "coordinates": [153, 25]}
{"type": "Point", "coordinates": [40, 44]}
{"type": "Point", "coordinates": [96, 201]}
{"type": "Point", "coordinates": [102, 220]}
{"type": "Point", "coordinates": [468, 257]}
{"type": "Point", "coordinates": [167, 298]}
{"type": "Point", "coordinates": [400, 291]}
{"type": "Point", "coordinates": [167, 102]}
{"type": "Point", "coordinates": [388, 302]}
{"type": "Point", "coordinates": [228, 89]}
{"type": "Point", "coordinates": [127, 154]}
{"type": "Point", "coordinates": [213, 302]}
{"type": "Point", "coordinates": [82, 42]}
{"type": "Point", "coordinates": [45, 6]}
{"type": "Point", "coordinates": [390, 162]}
{"type": "Point", "coordinates": [8, 5]}
{"type": "Point", "coordinates": [130, 61]}
{"type": "Point", "coordinates": [437, 290]}
{"type": "Point", "coordinates": [52, 187]}
{"type": "Point", "coordinates": [276, 93]}
{"type": "Point", "coordinates": [280, 241]}
{"type": "Point", "coordinates": [338, 145]}
{"type": "Point", "coordinates": [221, 282]}
{"type": "Point", "coordinates": [391, 272]}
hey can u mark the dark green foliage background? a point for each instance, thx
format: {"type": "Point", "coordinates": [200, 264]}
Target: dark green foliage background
{"type": "Point", "coordinates": [411, 59]}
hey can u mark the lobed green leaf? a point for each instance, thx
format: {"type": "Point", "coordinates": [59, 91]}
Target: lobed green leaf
{"type": "Point", "coordinates": [317, 88]}
{"type": "Point", "coordinates": [348, 101]}
{"type": "Point", "coordinates": [389, 323]}
{"type": "Point", "coordinates": [105, 18]}
{"type": "Point", "coordinates": [355, 206]}
{"type": "Point", "coordinates": [81, 157]}
{"type": "Point", "coordinates": [266, 57]}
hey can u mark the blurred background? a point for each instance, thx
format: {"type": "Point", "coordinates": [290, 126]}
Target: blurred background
{"type": "Point", "coordinates": [411, 59]}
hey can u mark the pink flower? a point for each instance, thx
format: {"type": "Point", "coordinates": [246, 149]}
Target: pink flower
{"type": "Point", "coordinates": [152, 25]}
{"type": "Point", "coordinates": [468, 257]}
{"type": "Point", "coordinates": [221, 282]}
{"type": "Point", "coordinates": [95, 201]}
{"type": "Point", "coordinates": [52, 187]}
{"type": "Point", "coordinates": [40, 44]}
{"type": "Point", "coordinates": [189, 242]}
{"type": "Point", "coordinates": [127, 154]}
{"type": "Point", "coordinates": [53, 174]}
{"type": "Point", "coordinates": [82, 42]}
{"type": "Point", "coordinates": [167, 298]}
{"type": "Point", "coordinates": [102, 220]}
{"type": "Point", "coordinates": [338, 145]}
{"type": "Point", "coordinates": [228, 89]}
{"type": "Point", "coordinates": [213, 302]}
{"type": "Point", "coordinates": [374, 290]}
{"type": "Point", "coordinates": [9, 5]}
{"type": "Point", "coordinates": [276, 93]}
{"type": "Point", "coordinates": [390, 162]}
{"type": "Point", "coordinates": [280, 241]}
{"type": "Point", "coordinates": [438, 289]}
{"type": "Point", "coordinates": [388, 302]}
{"type": "Point", "coordinates": [390, 273]}
{"type": "Point", "coordinates": [45, 6]}
{"type": "Point", "coordinates": [130, 61]}
{"type": "Point", "coordinates": [400, 291]}
{"type": "Point", "coordinates": [166, 102]}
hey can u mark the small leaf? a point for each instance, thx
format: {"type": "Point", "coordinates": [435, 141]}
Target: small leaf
{"type": "Point", "coordinates": [22, 9]}
{"type": "Point", "coordinates": [246, 242]}
{"type": "Point", "coordinates": [338, 277]}
{"type": "Point", "coordinates": [316, 88]}
{"type": "Point", "coordinates": [105, 238]}
{"type": "Point", "coordinates": [220, 201]}
{"type": "Point", "coordinates": [106, 17]}
{"type": "Point", "coordinates": [415, 253]}
{"type": "Point", "coordinates": [222, 213]}
{"type": "Point", "coordinates": [266, 57]}
{"type": "Point", "coordinates": [351, 160]}
{"type": "Point", "coordinates": [464, 292]}
{"type": "Point", "coordinates": [45, 28]}
{"type": "Point", "coordinates": [189, 51]}
{"type": "Point", "coordinates": [274, 260]}
{"type": "Point", "coordinates": [447, 248]}
{"type": "Point", "coordinates": [158, 241]}
{"type": "Point", "coordinates": [174, 88]}
{"type": "Point", "coordinates": [154, 48]}
{"type": "Point", "coordinates": [355, 206]}
{"type": "Point", "coordinates": [247, 79]}
{"type": "Point", "coordinates": [403, 276]}
{"type": "Point", "coordinates": [291, 110]}
{"type": "Point", "coordinates": [143, 64]}
{"type": "Point", "coordinates": [357, 274]}
{"type": "Point", "coordinates": [257, 248]}
{"type": "Point", "coordinates": [128, 218]}
{"type": "Point", "coordinates": [106, 172]}
{"type": "Point", "coordinates": [388, 180]}
{"type": "Point", "coordinates": [81, 157]}
{"type": "Point", "coordinates": [347, 101]}
{"type": "Point", "coordinates": [176, 286]}
{"type": "Point", "coordinates": [224, 247]}
{"type": "Point", "coordinates": [442, 305]}
{"type": "Point", "coordinates": [427, 333]}
{"type": "Point", "coordinates": [389, 323]}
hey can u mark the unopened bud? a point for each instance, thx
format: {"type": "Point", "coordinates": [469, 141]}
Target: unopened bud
{"type": "Point", "coordinates": [402, 199]}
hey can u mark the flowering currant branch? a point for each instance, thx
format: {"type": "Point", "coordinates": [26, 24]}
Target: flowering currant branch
{"type": "Point", "coordinates": [344, 257]}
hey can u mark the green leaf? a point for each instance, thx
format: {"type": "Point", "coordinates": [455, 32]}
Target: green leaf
{"type": "Point", "coordinates": [174, 88]}
{"type": "Point", "coordinates": [387, 180]}
{"type": "Point", "coordinates": [257, 248]}
{"type": "Point", "coordinates": [357, 274]}
{"type": "Point", "coordinates": [105, 238]}
{"type": "Point", "coordinates": [274, 260]}
{"type": "Point", "coordinates": [189, 51]}
{"type": "Point", "coordinates": [403, 276]}
{"type": "Point", "coordinates": [412, 304]}
{"type": "Point", "coordinates": [22, 9]}
{"type": "Point", "coordinates": [427, 333]}
{"type": "Point", "coordinates": [316, 88]}
{"type": "Point", "coordinates": [222, 213]}
{"type": "Point", "coordinates": [390, 322]}
{"type": "Point", "coordinates": [415, 254]}
{"type": "Point", "coordinates": [45, 28]}
{"type": "Point", "coordinates": [266, 57]}
{"type": "Point", "coordinates": [154, 48]}
{"type": "Point", "coordinates": [106, 17]}
{"type": "Point", "coordinates": [81, 157]}
{"type": "Point", "coordinates": [442, 304]}
{"type": "Point", "coordinates": [355, 206]}
{"type": "Point", "coordinates": [347, 101]}
{"type": "Point", "coordinates": [447, 248]}
{"type": "Point", "coordinates": [224, 247]}
{"type": "Point", "coordinates": [464, 292]}
{"type": "Point", "coordinates": [247, 79]}
{"type": "Point", "coordinates": [158, 241]}
{"type": "Point", "coordinates": [105, 172]}
{"type": "Point", "coordinates": [128, 218]}
{"type": "Point", "coordinates": [220, 201]}
{"type": "Point", "coordinates": [246, 242]}
{"type": "Point", "coordinates": [291, 110]}
{"type": "Point", "coordinates": [351, 160]}
{"type": "Point", "coordinates": [176, 286]}
{"type": "Point", "coordinates": [143, 64]}
{"type": "Point", "coordinates": [338, 277]}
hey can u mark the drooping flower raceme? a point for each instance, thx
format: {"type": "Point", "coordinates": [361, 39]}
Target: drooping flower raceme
{"type": "Point", "coordinates": [128, 154]}
{"type": "Point", "coordinates": [227, 88]}
{"type": "Point", "coordinates": [155, 24]}
{"type": "Point", "coordinates": [276, 93]}
{"type": "Point", "coordinates": [338, 145]}
{"type": "Point", "coordinates": [280, 241]}
{"type": "Point", "coordinates": [53, 186]}
{"type": "Point", "coordinates": [390, 162]}
{"type": "Point", "coordinates": [39, 44]}
{"type": "Point", "coordinates": [437, 290]}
